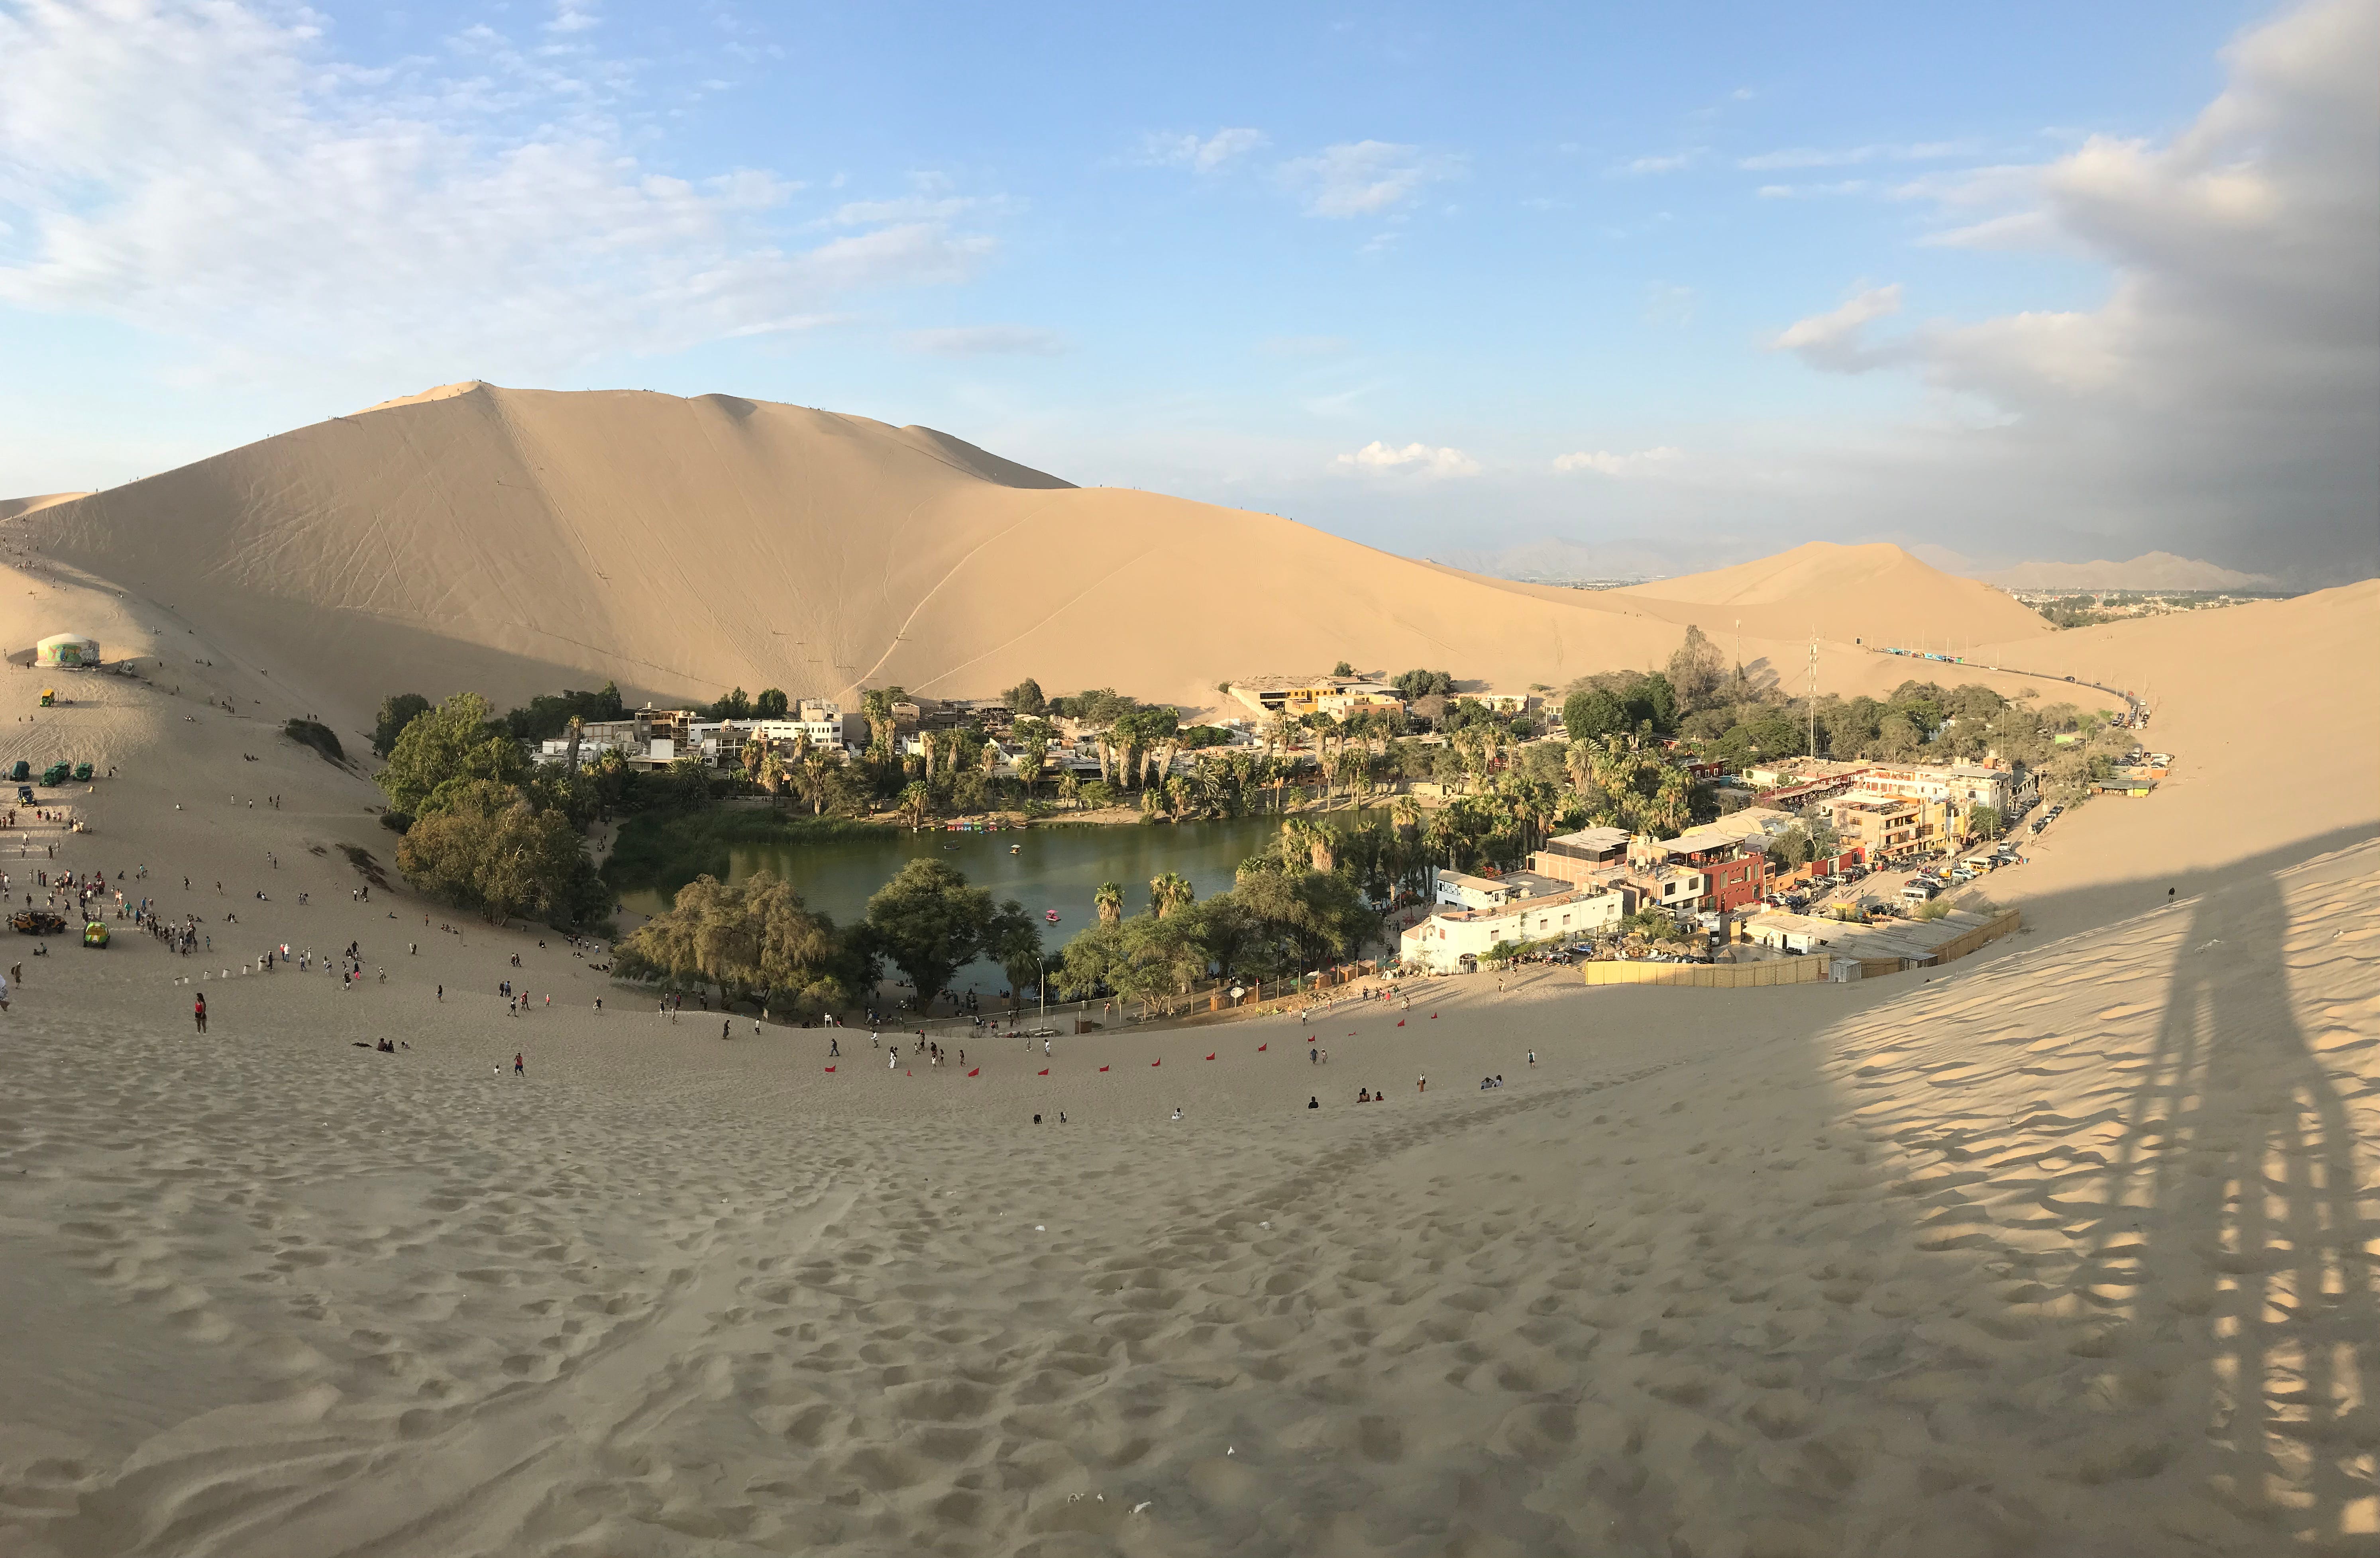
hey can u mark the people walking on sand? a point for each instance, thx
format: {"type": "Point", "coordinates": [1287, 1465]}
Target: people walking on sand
{"type": "Point", "coordinates": [198, 1010]}
{"type": "Point", "coordinates": [1533, 1057]}
{"type": "Point", "coordinates": [1421, 1085]}
{"type": "Point", "coordinates": [520, 1064]}
{"type": "Point", "coordinates": [833, 1048]}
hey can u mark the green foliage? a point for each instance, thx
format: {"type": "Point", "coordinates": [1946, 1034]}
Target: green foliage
{"type": "Point", "coordinates": [733, 704]}
{"type": "Point", "coordinates": [449, 744]}
{"type": "Point", "coordinates": [770, 703]}
{"type": "Point", "coordinates": [1589, 715]}
{"type": "Point", "coordinates": [749, 937]}
{"type": "Point", "coordinates": [664, 848]}
{"type": "Point", "coordinates": [396, 711]}
{"type": "Point", "coordinates": [1984, 822]}
{"type": "Point", "coordinates": [320, 737]}
{"type": "Point", "coordinates": [549, 714]}
{"type": "Point", "coordinates": [1342, 668]}
{"type": "Point", "coordinates": [487, 847]}
{"type": "Point", "coordinates": [1026, 698]}
{"type": "Point", "coordinates": [1196, 738]}
{"type": "Point", "coordinates": [930, 922]}
{"type": "Point", "coordinates": [1099, 706]}
{"type": "Point", "coordinates": [1423, 683]}
{"type": "Point", "coordinates": [1696, 670]}
{"type": "Point", "coordinates": [1932, 909]}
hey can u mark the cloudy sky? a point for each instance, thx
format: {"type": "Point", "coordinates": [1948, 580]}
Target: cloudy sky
{"type": "Point", "coordinates": [2026, 281]}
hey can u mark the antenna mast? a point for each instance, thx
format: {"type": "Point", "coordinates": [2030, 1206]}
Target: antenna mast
{"type": "Point", "coordinates": [1813, 692]}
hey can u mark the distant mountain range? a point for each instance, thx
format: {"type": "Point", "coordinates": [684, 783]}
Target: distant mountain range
{"type": "Point", "coordinates": [1553, 561]}
{"type": "Point", "coordinates": [2150, 571]}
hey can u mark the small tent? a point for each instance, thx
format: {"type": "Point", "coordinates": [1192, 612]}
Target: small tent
{"type": "Point", "coordinates": [66, 649]}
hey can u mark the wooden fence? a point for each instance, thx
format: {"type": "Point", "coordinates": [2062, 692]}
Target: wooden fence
{"type": "Point", "coordinates": [1710, 976]}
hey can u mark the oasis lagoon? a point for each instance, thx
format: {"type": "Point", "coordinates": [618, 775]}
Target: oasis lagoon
{"type": "Point", "coordinates": [1048, 868]}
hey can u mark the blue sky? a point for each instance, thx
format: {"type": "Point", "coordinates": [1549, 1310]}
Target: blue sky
{"type": "Point", "coordinates": [1696, 280]}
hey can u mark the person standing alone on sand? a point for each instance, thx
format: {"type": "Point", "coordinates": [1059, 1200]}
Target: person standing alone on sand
{"type": "Point", "coordinates": [198, 1011]}
{"type": "Point", "coordinates": [1421, 1085]}
{"type": "Point", "coordinates": [520, 1064]}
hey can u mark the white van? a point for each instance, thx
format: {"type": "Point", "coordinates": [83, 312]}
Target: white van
{"type": "Point", "coordinates": [1917, 892]}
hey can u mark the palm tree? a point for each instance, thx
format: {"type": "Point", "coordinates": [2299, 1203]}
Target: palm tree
{"type": "Point", "coordinates": [771, 773]}
{"type": "Point", "coordinates": [754, 750]}
{"type": "Point", "coordinates": [1070, 789]}
{"type": "Point", "coordinates": [1168, 892]}
{"type": "Point", "coordinates": [811, 774]}
{"type": "Point", "coordinates": [916, 803]}
{"type": "Point", "coordinates": [1109, 901]}
{"type": "Point", "coordinates": [876, 703]}
{"type": "Point", "coordinates": [578, 731]}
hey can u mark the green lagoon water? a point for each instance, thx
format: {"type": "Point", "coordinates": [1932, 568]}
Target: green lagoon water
{"type": "Point", "coordinates": [1043, 867]}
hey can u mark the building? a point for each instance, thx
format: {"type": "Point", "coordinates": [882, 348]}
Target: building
{"type": "Point", "coordinates": [1457, 890]}
{"type": "Point", "coordinates": [1885, 828]}
{"type": "Point", "coordinates": [1962, 784]}
{"type": "Point", "coordinates": [1455, 940]}
{"type": "Point", "coordinates": [1335, 695]}
{"type": "Point", "coordinates": [1589, 846]}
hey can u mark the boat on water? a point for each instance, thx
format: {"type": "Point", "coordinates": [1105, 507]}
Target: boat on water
{"type": "Point", "coordinates": [1050, 916]}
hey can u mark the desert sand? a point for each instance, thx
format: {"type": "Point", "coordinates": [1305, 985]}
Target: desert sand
{"type": "Point", "coordinates": [2067, 1247]}
{"type": "Point", "coordinates": [513, 541]}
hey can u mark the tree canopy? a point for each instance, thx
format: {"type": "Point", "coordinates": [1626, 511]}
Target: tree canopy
{"type": "Point", "coordinates": [928, 920]}
{"type": "Point", "coordinates": [750, 938]}
{"type": "Point", "coordinates": [452, 743]}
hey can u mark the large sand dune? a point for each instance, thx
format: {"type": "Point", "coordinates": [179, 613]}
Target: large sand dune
{"type": "Point", "coordinates": [1877, 592]}
{"type": "Point", "coordinates": [516, 541]}
{"type": "Point", "coordinates": [2067, 1247]}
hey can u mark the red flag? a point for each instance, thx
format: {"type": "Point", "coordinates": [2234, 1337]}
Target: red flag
{"type": "Point", "coordinates": [1433, 1017]}
{"type": "Point", "coordinates": [830, 1069]}
{"type": "Point", "coordinates": [979, 1071]}
{"type": "Point", "coordinates": [1210, 1054]}
{"type": "Point", "coordinates": [1157, 1062]}
{"type": "Point", "coordinates": [1045, 1071]}
{"type": "Point", "coordinates": [1102, 1068]}
{"type": "Point", "coordinates": [1261, 1048]}
{"type": "Point", "coordinates": [909, 1073]}
{"type": "Point", "coordinates": [1400, 1022]}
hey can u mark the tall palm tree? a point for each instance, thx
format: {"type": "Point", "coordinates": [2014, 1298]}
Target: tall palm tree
{"type": "Point", "coordinates": [917, 805]}
{"type": "Point", "coordinates": [1170, 892]}
{"type": "Point", "coordinates": [1070, 789]}
{"type": "Point", "coordinates": [772, 774]}
{"type": "Point", "coordinates": [754, 750]}
{"type": "Point", "coordinates": [578, 732]}
{"type": "Point", "coordinates": [1109, 901]}
{"type": "Point", "coordinates": [811, 775]}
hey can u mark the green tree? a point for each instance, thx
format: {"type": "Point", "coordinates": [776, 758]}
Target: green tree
{"type": "Point", "coordinates": [1984, 822]}
{"type": "Point", "coordinates": [1169, 893]}
{"type": "Point", "coordinates": [396, 711]}
{"type": "Point", "coordinates": [1696, 669]}
{"type": "Point", "coordinates": [770, 703]}
{"type": "Point", "coordinates": [485, 846]}
{"type": "Point", "coordinates": [918, 803]}
{"type": "Point", "coordinates": [755, 935]}
{"type": "Point", "coordinates": [1342, 668]}
{"type": "Point", "coordinates": [932, 924]}
{"type": "Point", "coordinates": [1109, 901]}
{"type": "Point", "coordinates": [1423, 683]}
{"type": "Point", "coordinates": [1026, 698]}
{"type": "Point", "coordinates": [1587, 715]}
{"type": "Point", "coordinates": [451, 743]}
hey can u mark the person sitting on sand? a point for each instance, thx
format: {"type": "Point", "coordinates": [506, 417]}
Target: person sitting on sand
{"type": "Point", "coordinates": [1312, 1102]}
{"type": "Point", "coordinates": [1363, 1096]}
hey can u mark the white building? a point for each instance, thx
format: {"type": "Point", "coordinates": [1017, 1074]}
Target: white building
{"type": "Point", "coordinates": [1457, 890]}
{"type": "Point", "coordinates": [1961, 784]}
{"type": "Point", "coordinates": [1455, 940]}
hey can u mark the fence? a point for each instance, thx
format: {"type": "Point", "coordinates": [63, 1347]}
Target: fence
{"type": "Point", "coordinates": [1710, 976]}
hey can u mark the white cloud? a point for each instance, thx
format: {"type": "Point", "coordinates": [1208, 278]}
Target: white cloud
{"type": "Point", "coordinates": [1363, 178]}
{"type": "Point", "coordinates": [1645, 462]}
{"type": "Point", "coordinates": [1851, 156]}
{"type": "Point", "coordinates": [216, 172]}
{"type": "Point", "coordinates": [1805, 191]}
{"type": "Point", "coordinates": [2222, 401]}
{"type": "Point", "coordinates": [1202, 156]}
{"type": "Point", "coordinates": [1414, 459]}
{"type": "Point", "coordinates": [1833, 339]}
{"type": "Point", "coordinates": [986, 340]}
{"type": "Point", "coordinates": [1671, 162]}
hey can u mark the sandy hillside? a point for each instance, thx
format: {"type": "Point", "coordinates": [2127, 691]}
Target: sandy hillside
{"type": "Point", "coordinates": [11, 507]}
{"type": "Point", "coordinates": [1876, 592]}
{"type": "Point", "coordinates": [516, 540]}
{"type": "Point", "coordinates": [2276, 742]}
{"type": "Point", "coordinates": [1912, 1267]}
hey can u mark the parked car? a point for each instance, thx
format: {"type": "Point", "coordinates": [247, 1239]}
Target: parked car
{"type": "Point", "coordinates": [38, 922]}
{"type": "Point", "coordinates": [1917, 892]}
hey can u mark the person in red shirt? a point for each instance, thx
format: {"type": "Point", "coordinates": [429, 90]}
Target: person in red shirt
{"type": "Point", "coordinates": [199, 1011]}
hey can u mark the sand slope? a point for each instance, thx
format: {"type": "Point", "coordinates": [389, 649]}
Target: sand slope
{"type": "Point", "coordinates": [1877, 592]}
{"type": "Point", "coordinates": [2276, 742]}
{"type": "Point", "coordinates": [514, 540]}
